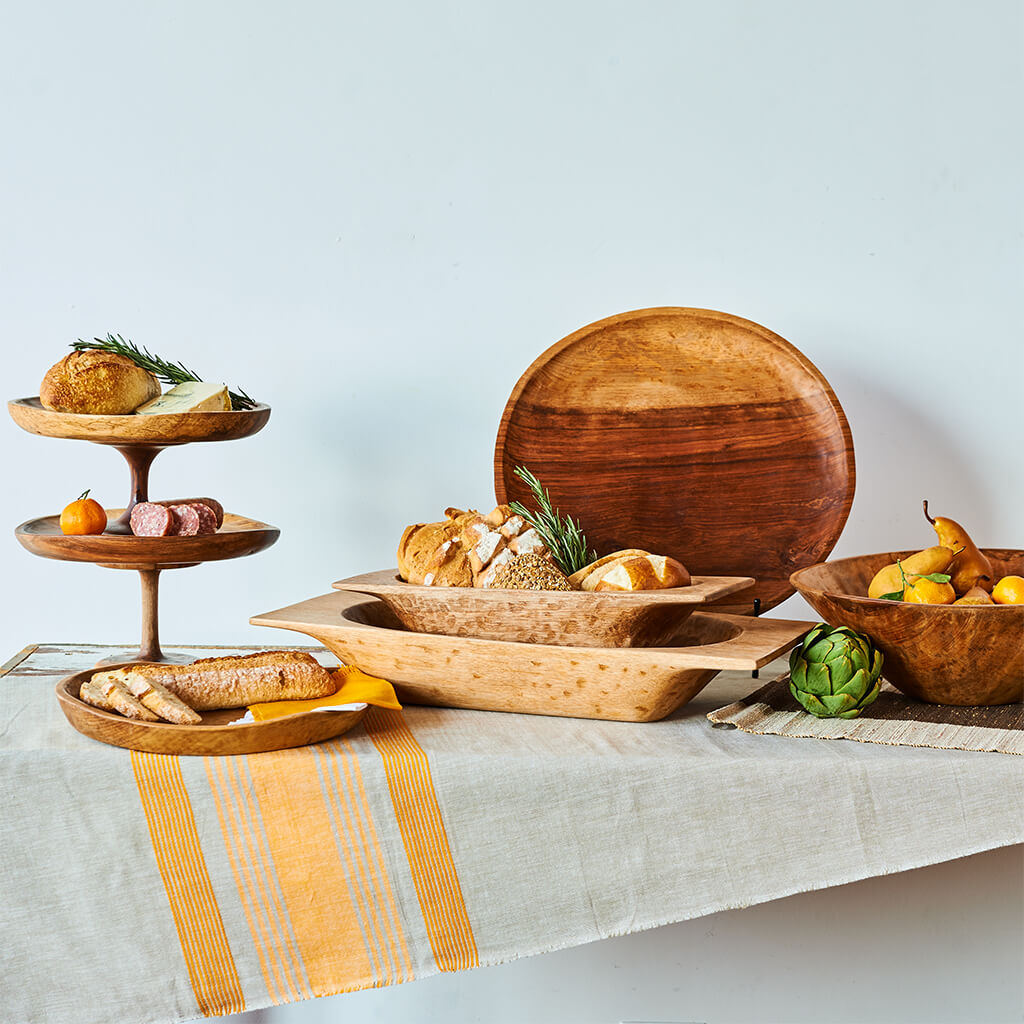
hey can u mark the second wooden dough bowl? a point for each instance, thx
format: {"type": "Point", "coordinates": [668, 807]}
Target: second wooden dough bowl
{"type": "Point", "coordinates": [629, 684]}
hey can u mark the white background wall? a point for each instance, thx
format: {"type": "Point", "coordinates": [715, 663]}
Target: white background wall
{"type": "Point", "coordinates": [375, 216]}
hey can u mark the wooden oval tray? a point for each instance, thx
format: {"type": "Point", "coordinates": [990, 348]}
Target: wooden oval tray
{"type": "Point", "coordinates": [690, 433]}
{"type": "Point", "coordinates": [575, 618]}
{"type": "Point", "coordinates": [212, 736]}
{"type": "Point", "coordinates": [629, 684]}
{"type": "Point", "coordinates": [237, 537]}
{"type": "Point", "coordinates": [163, 430]}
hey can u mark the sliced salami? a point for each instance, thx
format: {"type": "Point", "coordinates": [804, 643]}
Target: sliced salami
{"type": "Point", "coordinates": [207, 517]}
{"type": "Point", "coordinates": [211, 503]}
{"type": "Point", "coordinates": [186, 521]}
{"type": "Point", "coordinates": [151, 520]}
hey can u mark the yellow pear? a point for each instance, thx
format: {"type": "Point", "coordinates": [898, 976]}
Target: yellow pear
{"type": "Point", "coordinates": [976, 595]}
{"type": "Point", "coordinates": [969, 568]}
{"type": "Point", "coordinates": [924, 563]}
{"type": "Point", "coordinates": [924, 591]}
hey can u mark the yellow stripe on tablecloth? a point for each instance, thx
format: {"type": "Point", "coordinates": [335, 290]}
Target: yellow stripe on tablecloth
{"type": "Point", "coordinates": [359, 846]}
{"type": "Point", "coordinates": [172, 829]}
{"type": "Point", "coordinates": [299, 832]}
{"type": "Point", "coordinates": [258, 885]}
{"type": "Point", "coordinates": [426, 841]}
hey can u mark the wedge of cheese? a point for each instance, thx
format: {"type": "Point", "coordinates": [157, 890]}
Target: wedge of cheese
{"type": "Point", "coordinates": [192, 396]}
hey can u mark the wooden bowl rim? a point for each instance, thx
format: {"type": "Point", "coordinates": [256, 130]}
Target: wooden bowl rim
{"type": "Point", "coordinates": [804, 588]}
{"type": "Point", "coordinates": [114, 429]}
{"type": "Point", "coordinates": [34, 403]}
{"type": "Point", "coordinates": [387, 583]}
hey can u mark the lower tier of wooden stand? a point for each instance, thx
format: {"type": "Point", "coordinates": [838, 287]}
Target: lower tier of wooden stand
{"type": "Point", "coordinates": [237, 537]}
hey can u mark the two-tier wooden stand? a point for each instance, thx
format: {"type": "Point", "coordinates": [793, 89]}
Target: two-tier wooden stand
{"type": "Point", "coordinates": [140, 439]}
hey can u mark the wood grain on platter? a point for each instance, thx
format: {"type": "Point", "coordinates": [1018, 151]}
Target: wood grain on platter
{"type": "Point", "coordinates": [690, 433]}
{"type": "Point", "coordinates": [576, 618]}
{"type": "Point", "coordinates": [237, 537]}
{"type": "Point", "coordinates": [161, 430]}
{"type": "Point", "coordinates": [632, 684]}
{"type": "Point", "coordinates": [212, 736]}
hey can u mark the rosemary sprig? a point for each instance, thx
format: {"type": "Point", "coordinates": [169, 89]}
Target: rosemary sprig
{"type": "Point", "coordinates": [169, 373]}
{"type": "Point", "coordinates": [564, 537]}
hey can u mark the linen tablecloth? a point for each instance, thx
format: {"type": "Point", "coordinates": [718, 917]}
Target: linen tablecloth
{"type": "Point", "coordinates": [144, 887]}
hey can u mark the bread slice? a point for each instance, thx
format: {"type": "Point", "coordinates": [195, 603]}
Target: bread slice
{"type": "Point", "coordinates": [110, 687]}
{"type": "Point", "coordinates": [641, 572]}
{"type": "Point", "coordinates": [159, 699]}
{"type": "Point", "coordinates": [238, 680]}
{"type": "Point", "coordinates": [91, 693]}
{"type": "Point", "coordinates": [581, 579]}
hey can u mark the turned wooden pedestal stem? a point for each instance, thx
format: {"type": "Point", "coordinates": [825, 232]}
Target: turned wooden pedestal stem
{"type": "Point", "coordinates": [139, 458]}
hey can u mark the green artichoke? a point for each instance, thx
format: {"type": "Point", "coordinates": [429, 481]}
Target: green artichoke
{"type": "Point", "coordinates": [835, 672]}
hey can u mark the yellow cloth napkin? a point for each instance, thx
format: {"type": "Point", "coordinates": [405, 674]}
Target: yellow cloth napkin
{"type": "Point", "coordinates": [354, 687]}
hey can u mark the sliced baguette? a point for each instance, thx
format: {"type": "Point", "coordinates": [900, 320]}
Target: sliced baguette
{"type": "Point", "coordinates": [159, 699]}
{"type": "Point", "coordinates": [91, 693]}
{"type": "Point", "coordinates": [111, 687]}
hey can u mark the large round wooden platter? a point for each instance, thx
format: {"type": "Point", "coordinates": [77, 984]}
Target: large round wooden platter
{"type": "Point", "coordinates": [237, 537]}
{"type": "Point", "coordinates": [212, 736]}
{"type": "Point", "coordinates": [162, 430]}
{"type": "Point", "coordinates": [690, 433]}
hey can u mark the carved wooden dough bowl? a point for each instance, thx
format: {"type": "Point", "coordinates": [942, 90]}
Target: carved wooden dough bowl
{"type": "Point", "coordinates": [941, 654]}
{"type": "Point", "coordinates": [573, 618]}
{"type": "Point", "coordinates": [618, 683]}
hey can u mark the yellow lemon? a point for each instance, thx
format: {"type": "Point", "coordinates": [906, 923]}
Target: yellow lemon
{"type": "Point", "coordinates": [922, 591]}
{"type": "Point", "coordinates": [1009, 590]}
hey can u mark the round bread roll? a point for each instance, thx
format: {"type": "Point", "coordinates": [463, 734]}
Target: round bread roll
{"type": "Point", "coordinates": [97, 382]}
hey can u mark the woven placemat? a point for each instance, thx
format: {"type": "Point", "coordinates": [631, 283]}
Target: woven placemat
{"type": "Point", "coordinates": [892, 718]}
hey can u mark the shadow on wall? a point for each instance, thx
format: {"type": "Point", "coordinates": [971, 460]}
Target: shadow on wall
{"type": "Point", "coordinates": [906, 452]}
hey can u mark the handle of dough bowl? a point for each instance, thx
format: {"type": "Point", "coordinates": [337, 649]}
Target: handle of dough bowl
{"type": "Point", "coordinates": [753, 644]}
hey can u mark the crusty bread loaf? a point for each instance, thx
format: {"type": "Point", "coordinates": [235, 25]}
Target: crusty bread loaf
{"type": "Point", "coordinates": [466, 549]}
{"type": "Point", "coordinates": [97, 382]}
{"type": "Point", "coordinates": [432, 553]}
{"type": "Point", "coordinates": [238, 680]}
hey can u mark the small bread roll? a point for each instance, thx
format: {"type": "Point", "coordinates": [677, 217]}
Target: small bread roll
{"type": "Point", "coordinates": [97, 382]}
{"type": "Point", "coordinates": [643, 572]}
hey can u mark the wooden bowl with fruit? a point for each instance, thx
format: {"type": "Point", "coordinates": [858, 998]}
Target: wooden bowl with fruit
{"type": "Point", "coordinates": [949, 619]}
